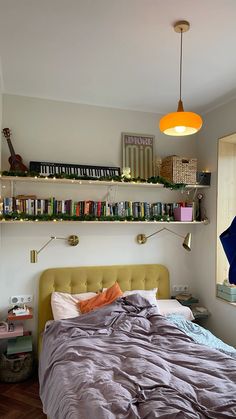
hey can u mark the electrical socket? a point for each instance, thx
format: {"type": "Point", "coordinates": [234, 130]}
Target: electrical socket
{"type": "Point", "coordinates": [180, 288]}
{"type": "Point", "coordinates": [21, 299]}
{"type": "Point", "coordinates": [185, 288]}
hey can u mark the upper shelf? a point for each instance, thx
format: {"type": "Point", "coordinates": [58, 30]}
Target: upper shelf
{"type": "Point", "coordinates": [117, 222]}
{"type": "Point", "coordinates": [90, 182]}
{"type": "Point", "coordinates": [13, 317]}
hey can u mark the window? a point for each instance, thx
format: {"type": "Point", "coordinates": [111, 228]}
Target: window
{"type": "Point", "coordinates": [226, 197]}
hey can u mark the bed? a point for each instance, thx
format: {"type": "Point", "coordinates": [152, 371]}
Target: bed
{"type": "Point", "coordinates": [125, 360]}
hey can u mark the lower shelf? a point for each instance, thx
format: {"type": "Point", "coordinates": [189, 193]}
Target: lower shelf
{"type": "Point", "coordinates": [19, 345]}
{"type": "Point", "coordinates": [18, 331]}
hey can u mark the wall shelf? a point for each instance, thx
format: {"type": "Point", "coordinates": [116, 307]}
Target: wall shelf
{"type": "Point", "coordinates": [90, 182]}
{"type": "Point", "coordinates": [18, 331]}
{"type": "Point", "coordinates": [11, 181]}
{"type": "Point", "coordinates": [102, 222]}
{"type": "Point", "coordinates": [13, 317]}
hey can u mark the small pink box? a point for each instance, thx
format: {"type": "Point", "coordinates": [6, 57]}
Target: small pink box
{"type": "Point", "coordinates": [183, 214]}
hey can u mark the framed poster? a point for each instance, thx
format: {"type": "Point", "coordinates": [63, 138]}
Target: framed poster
{"type": "Point", "coordinates": [138, 154]}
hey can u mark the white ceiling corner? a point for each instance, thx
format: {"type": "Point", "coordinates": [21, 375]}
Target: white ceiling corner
{"type": "Point", "coordinates": [122, 54]}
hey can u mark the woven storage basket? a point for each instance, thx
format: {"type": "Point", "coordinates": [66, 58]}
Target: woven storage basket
{"type": "Point", "coordinates": [179, 169]}
{"type": "Point", "coordinates": [14, 370]}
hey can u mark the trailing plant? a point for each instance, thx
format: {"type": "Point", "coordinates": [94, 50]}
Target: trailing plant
{"type": "Point", "coordinates": [153, 179]}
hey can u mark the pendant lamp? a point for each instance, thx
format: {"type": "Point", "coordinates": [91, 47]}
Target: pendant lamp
{"type": "Point", "coordinates": [180, 123]}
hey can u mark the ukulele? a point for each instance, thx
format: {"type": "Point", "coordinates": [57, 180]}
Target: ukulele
{"type": "Point", "coordinates": [15, 160]}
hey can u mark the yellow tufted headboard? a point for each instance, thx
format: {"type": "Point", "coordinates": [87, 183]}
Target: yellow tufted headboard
{"type": "Point", "coordinates": [93, 278]}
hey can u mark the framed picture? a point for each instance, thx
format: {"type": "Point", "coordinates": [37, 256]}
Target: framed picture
{"type": "Point", "coordinates": [138, 154]}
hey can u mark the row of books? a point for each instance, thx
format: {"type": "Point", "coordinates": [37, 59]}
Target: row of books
{"type": "Point", "coordinates": [54, 206]}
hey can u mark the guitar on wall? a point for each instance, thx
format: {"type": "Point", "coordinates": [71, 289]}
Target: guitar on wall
{"type": "Point", "coordinates": [15, 160]}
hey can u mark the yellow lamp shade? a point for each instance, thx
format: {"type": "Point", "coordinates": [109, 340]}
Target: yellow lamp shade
{"type": "Point", "coordinates": [179, 123]}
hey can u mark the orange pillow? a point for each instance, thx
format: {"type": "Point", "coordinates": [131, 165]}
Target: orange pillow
{"type": "Point", "coordinates": [100, 300]}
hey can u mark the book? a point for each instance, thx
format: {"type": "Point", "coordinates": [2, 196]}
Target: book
{"type": "Point", "coordinates": [19, 345]}
{"type": "Point", "coordinates": [183, 297]}
{"type": "Point", "coordinates": [189, 302]}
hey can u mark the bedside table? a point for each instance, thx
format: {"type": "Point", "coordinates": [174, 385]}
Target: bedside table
{"type": "Point", "coordinates": [199, 312]}
{"type": "Point", "coordinates": [16, 360]}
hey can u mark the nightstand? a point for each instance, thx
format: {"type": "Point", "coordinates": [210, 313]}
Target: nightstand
{"type": "Point", "coordinates": [22, 343]}
{"type": "Point", "coordinates": [200, 313]}
{"type": "Point", "coordinates": [16, 362]}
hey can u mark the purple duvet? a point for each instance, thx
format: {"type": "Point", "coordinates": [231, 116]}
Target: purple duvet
{"type": "Point", "coordinates": [125, 361]}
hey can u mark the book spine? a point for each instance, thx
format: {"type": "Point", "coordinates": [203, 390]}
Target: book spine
{"type": "Point", "coordinates": [99, 208]}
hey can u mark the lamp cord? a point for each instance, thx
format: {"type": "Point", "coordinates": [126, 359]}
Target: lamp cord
{"type": "Point", "coordinates": [180, 64]}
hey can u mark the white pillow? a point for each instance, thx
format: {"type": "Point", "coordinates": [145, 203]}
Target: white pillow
{"type": "Point", "coordinates": [150, 295]}
{"type": "Point", "coordinates": [65, 305]}
{"type": "Point", "coordinates": [174, 307]}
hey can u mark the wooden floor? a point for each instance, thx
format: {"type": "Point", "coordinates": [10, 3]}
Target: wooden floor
{"type": "Point", "coordinates": [21, 400]}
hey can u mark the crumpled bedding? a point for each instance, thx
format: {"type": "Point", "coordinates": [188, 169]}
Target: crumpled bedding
{"type": "Point", "coordinates": [201, 335]}
{"type": "Point", "coordinates": [125, 361]}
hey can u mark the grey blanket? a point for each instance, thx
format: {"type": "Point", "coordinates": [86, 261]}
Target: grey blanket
{"type": "Point", "coordinates": [125, 361]}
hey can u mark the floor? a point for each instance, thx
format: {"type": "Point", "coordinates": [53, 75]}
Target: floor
{"type": "Point", "coordinates": [21, 400]}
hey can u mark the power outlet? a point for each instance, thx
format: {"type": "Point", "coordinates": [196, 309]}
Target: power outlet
{"type": "Point", "coordinates": [21, 299]}
{"type": "Point", "coordinates": [180, 288]}
{"type": "Point", "coordinates": [185, 288]}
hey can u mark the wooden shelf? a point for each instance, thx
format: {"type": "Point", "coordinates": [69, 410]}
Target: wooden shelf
{"type": "Point", "coordinates": [90, 182]}
{"type": "Point", "coordinates": [102, 222]}
{"type": "Point", "coordinates": [18, 331]}
{"type": "Point", "coordinates": [96, 183]}
{"type": "Point", "coordinates": [13, 317]}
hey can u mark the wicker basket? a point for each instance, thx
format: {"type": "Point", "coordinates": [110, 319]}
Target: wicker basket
{"type": "Point", "coordinates": [17, 368]}
{"type": "Point", "coordinates": [179, 169]}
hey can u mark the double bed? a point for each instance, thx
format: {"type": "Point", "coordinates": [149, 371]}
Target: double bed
{"type": "Point", "coordinates": [126, 360]}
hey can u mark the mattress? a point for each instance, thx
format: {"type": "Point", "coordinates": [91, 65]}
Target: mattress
{"type": "Point", "coordinates": [174, 307]}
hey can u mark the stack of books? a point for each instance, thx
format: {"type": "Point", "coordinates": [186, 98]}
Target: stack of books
{"type": "Point", "coordinates": [21, 344]}
{"type": "Point", "coordinates": [183, 297]}
{"type": "Point", "coordinates": [186, 299]}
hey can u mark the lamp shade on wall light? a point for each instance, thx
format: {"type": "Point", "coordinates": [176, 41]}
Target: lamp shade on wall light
{"type": "Point", "coordinates": [180, 123]}
{"type": "Point", "coordinates": [187, 242]}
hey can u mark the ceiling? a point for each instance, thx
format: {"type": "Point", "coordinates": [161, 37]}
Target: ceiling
{"type": "Point", "coordinates": [119, 53]}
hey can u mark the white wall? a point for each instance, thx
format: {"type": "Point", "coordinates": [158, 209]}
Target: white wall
{"type": "Point", "coordinates": [0, 125]}
{"type": "Point", "coordinates": [218, 123]}
{"type": "Point", "coordinates": [0, 156]}
{"type": "Point", "coordinates": [59, 131]}
{"type": "Point", "coordinates": [55, 131]}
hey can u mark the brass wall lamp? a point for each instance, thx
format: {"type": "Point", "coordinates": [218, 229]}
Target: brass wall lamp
{"type": "Point", "coordinates": [71, 240]}
{"type": "Point", "coordinates": [142, 238]}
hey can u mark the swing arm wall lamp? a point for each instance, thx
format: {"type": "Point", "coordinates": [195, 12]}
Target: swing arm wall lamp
{"type": "Point", "coordinates": [72, 240]}
{"type": "Point", "coordinates": [142, 238]}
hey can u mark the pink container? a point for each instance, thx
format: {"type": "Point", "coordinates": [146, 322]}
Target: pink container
{"type": "Point", "coordinates": [183, 214]}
